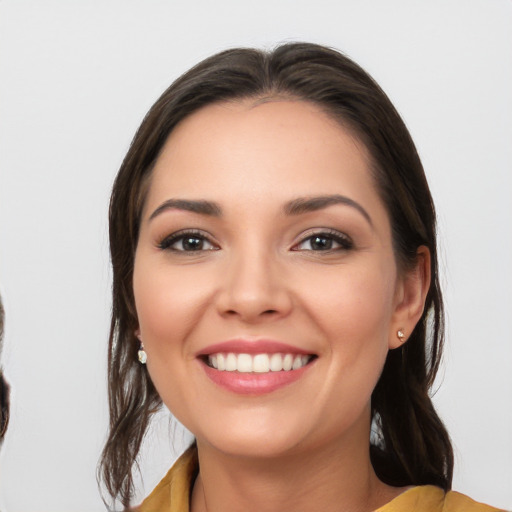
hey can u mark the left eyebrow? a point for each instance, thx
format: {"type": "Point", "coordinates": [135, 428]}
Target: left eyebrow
{"type": "Point", "coordinates": [311, 204]}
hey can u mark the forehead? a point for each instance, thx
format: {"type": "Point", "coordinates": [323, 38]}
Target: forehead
{"type": "Point", "coordinates": [261, 152]}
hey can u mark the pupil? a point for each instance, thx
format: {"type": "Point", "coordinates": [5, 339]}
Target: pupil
{"type": "Point", "coordinates": [321, 243]}
{"type": "Point", "coordinates": [192, 244]}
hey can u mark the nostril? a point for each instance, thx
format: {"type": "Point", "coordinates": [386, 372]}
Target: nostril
{"type": "Point", "coordinates": [266, 312]}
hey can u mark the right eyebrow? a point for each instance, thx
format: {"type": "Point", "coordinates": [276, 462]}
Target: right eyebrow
{"type": "Point", "coordinates": [201, 207]}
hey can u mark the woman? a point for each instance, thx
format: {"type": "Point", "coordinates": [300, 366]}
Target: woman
{"type": "Point", "coordinates": [276, 287]}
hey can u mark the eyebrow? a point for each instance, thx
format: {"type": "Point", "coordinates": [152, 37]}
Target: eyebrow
{"type": "Point", "coordinates": [297, 206]}
{"type": "Point", "coordinates": [312, 204]}
{"type": "Point", "coordinates": [201, 207]}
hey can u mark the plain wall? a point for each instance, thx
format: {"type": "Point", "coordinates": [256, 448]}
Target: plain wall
{"type": "Point", "coordinates": [76, 78]}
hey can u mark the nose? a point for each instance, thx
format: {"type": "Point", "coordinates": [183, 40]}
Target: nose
{"type": "Point", "coordinates": [254, 288]}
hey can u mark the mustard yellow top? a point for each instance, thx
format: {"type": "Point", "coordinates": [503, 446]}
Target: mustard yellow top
{"type": "Point", "coordinates": [173, 492]}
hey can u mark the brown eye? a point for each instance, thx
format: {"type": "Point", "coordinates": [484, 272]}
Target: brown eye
{"type": "Point", "coordinates": [187, 242]}
{"type": "Point", "coordinates": [321, 243]}
{"type": "Point", "coordinates": [325, 242]}
{"type": "Point", "coordinates": [190, 243]}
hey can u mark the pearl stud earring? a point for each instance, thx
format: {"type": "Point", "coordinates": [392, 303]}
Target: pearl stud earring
{"type": "Point", "coordinates": [143, 357]}
{"type": "Point", "coordinates": [141, 354]}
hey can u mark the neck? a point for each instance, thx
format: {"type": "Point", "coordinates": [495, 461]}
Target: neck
{"type": "Point", "coordinates": [331, 478]}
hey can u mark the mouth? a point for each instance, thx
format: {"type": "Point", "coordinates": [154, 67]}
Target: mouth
{"type": "Point", "coordinates": [254, 366]}
{"type": "Point", "coordinates": [257, 363]}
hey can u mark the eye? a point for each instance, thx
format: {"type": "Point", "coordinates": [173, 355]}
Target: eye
{"type": "Point", "coordinates": [187, 241]}
{"type": "Point", "coordinates": [325, 241]}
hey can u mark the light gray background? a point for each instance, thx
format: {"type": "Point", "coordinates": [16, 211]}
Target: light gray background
{"type": "Point", "coordinates": [76, 78]}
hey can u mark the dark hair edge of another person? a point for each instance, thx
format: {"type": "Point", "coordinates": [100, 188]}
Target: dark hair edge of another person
{"type": "Point", "coordinates": [4, 387]}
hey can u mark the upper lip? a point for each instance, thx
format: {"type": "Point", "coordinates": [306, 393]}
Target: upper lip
{"type": "Point", "coordinates": [246, 346]}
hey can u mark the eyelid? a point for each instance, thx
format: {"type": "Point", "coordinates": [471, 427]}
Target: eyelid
{"type": "Point", "coordinates": [339, 237]}
{"type": "Point", "coordinates": [167, 241]}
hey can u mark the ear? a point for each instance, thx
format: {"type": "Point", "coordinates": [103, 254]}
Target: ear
{"type": "Point", "coordinates": [410, 296]}
{"type": "Point", "coordinates": [137, 334]}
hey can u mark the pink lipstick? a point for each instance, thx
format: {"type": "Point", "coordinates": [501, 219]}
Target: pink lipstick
{"type": "Point", "coordinates": [254, 367]}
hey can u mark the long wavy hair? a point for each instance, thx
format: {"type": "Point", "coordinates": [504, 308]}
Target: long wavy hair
{"type": "Point", "coordinates": [409, 443]}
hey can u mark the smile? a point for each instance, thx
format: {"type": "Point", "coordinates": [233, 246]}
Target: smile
{"type": "Point", "coordinates": [257, 363]}
{"type": "Point", "coordinates": [255, 366]}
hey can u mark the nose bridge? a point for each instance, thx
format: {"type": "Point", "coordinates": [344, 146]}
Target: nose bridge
{"type": "Point", "coordinates": [253, 285]}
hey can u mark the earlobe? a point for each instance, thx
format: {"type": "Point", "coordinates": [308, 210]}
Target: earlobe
{"type": "Point", "coordinates": [410, 300]}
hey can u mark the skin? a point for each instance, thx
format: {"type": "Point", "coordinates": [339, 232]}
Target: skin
{"type": "Point", "coordinates": [303, 447]}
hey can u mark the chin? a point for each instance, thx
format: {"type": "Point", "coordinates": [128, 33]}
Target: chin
{"type": "Point", "coordinates": [259, 440]}
{"type": "Point", "coordinates": [254, 447]}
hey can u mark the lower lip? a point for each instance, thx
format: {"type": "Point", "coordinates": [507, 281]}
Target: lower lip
{"type": "Point", "coordinates": [254, 383]}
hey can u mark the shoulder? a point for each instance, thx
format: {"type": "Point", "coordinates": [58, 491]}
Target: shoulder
{"type": "Point", "coordinates": [455, 502]}
{"type": "Point", "coordinates": [428, 498]}
{"type": "Point", "coordinates": [173, 491]}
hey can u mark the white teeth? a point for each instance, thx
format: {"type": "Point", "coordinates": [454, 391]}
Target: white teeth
{"type": "Point", "coordinates": [231, 363]}
{"type": "Point", "coordinates": [258, 363]}
{"type": "Point", "coordinates": [212, 360]}
{"type": "Point", "coordinates": [276, 362]}
{"type": "Point", "coordinates": [297, 363]}
{"type": "Point", "coordinates": [221, 362]}
{"type": "Point", "coordinates": [261, 363]}
{"type": "Point", "coordinates": [244, 363]}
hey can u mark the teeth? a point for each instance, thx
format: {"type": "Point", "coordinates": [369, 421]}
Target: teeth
{"type": "Point", "coordinates": [276, 362]}
{"type": "Point", "coordinates": [258, 363]}
{"type": "Point", "coordinates": [244, 363]}
{"type": "Point", "coordinates": [261, 363]}
{"type": "Point", "coordinates": [297, 363]}
{"type": "Point", "coordinates": [231, 363]}
{"type": "Point", "coordinates": [287, 362]}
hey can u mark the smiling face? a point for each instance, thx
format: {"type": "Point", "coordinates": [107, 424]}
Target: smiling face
{"type": "Point", "coordinates": [265, 282]}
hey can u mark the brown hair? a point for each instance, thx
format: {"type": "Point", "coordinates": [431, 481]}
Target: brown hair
{"type": "Point", "coordinates": [4, 387]}
{"type": "Point", "coordinates": [410, 445]}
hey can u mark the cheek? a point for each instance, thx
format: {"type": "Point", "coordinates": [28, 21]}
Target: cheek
{"type": "Point", "coordinates": [353, 307]}
{"type": "Point", "coordinates": [168, 302]}
{"type": "Point", "coordinates": [353, 294]}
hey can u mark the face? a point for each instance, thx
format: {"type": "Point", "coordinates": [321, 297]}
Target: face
{"type": "Point", "coordinates": [265, 282]}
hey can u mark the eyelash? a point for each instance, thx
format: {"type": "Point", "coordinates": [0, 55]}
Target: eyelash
{"type": "Point", "coordinates": [345, 242]}
{"type": "Point", "coordinates": [331, 236]}
{"type": "Point", "coordinates": [168, 242]}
